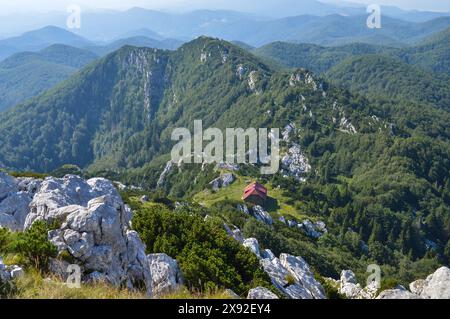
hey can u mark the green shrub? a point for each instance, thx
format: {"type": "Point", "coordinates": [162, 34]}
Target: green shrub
{"type": "Point", "coordinates": [208, 257]}
{"type": "Point", "coordinates": [34, 246]}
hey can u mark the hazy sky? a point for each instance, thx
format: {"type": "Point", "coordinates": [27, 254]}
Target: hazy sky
{"type": "Point", "coordinates": [9, 6]}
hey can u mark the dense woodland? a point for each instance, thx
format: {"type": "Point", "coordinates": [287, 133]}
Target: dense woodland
{"type": "Point", "coordinates": [384, 192]}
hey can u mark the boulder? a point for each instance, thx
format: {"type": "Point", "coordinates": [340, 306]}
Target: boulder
{"type": "Point", "coordinates": [292, 277]}
{"type": "Point", "coordinates": [15, 198]}
{"type": "Point", "coordinates": [253, 245]}
{"type": "Point", "coordinates": [243, 209]}
{"type": "Point", "coordinates": [222, 182]}
{"type": "Point", "coordinates": [295, 163]}
{"type": "Point", "coordinates": [261, 293]}
{"type": "Point", "coordinates": [398, 293]}
{"type": "Point", "coordinates": [260, 214]}
{"type": "Point", "coordinates": [8, 273]}
{"type": "Point", "coordinates": [437, 285]}
{"type": "Point", "coordinates": [268, 254]}
{"type": "Point", "coordinates": [95, 231]}
{"type": "Point", "coordinates": [166, 275]}
{"type": "Point", "coordinates": [314, 230]}
{"type": "Point", "coordinates": [300, 270]}
{"type": "Point", "coordinates": [235, 233]}
{"type": "Point", "coordinates": [349, 287]}
{"type": "Point", "coordinates": [231, 294]}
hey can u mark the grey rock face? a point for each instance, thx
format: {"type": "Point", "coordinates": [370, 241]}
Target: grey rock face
{"type": "Point", "coordinates": [222, 182]}
{"type": "Point", "coordinates": [292, 276]}
{"type": "Point", "coordinates": [314, 230]}
{"type": "Point", "coordinates": [260, 214]}
{"type": "Point", "coordinates": [399, 293]}
{"type": "Point", "coordinates": [235, 233]}
{"type": "Point", "coordinates": [300, 270]}
{"type": "Point", "coordinates": [261, 293]}
{"type": "Point", "coordinates": [436, 286]}
{"type": "Point", "coordinates": [15, 198]}
{"type": "Point", "coordinates": [349, 287]}
{"type": "Point", "coordinates": [166, 275]}
{"type": "Point", "coordinates": [253, 245]}
{"type": "Point", "coordinates": [295, 163]}
{"type": "Point", "coordinates": [8, 273]}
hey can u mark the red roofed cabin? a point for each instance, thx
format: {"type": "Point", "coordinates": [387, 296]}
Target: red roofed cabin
{"type": "Point", "coordinates": [255, 193]}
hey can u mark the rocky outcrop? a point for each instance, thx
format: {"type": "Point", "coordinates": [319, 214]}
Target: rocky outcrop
{"type": "Point", "coordinates": [289, 274]}
{"type": "Point", "coordinates": [346, 126]}
{"type": "Point", "coordinates": [261, 293]}
{"type": "Point", "coordinates": [314, 230]}
{"type": "Point", "coordinates": [260, 214]}
{"type": "Point", "coordinates": [292, 276]}
{"type": "Point", "coordinates": [436, 286]}
{"type": "Point", "coordinates": [8, 273]}
{"type": "Point", "coordinates": [350, 288]}
{"type": "Point", "coordinates": [164, 173]}
{"type": "Point", "coordinates": [398, 293]}
{"type": "Point", "coordinates": [295, 163]}
{"type": "Point", "coordinates": [95, 230]}
{"type": "Point", "coordinates": [288, 131]}
{"type": "Point", "coordinates": [223, 181]}
{"type": "Point", "coordinates": [253, 245]}
{"type": "Point", "coordinates": [15, 198]}
{"type": "Point", "coordinates": [235, 233]}
{"type": "Point", "coordinates": [253, 80]}
{"type": "Point", "coordinates": [166, 275]}
{"type": "Point", "coordinates": [311, 229]}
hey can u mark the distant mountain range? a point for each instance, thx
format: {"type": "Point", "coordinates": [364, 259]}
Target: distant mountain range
{"type": "Point", "coordinates": [28, 74]}
{"type": "Point", "coordinates": [33, 64]}
{"type": "Point", "coordinates": [40, 39]}
{"type": "Point", "coordinates": [431, 53]}
{"type": "Point", "coordinates": [271, 20]}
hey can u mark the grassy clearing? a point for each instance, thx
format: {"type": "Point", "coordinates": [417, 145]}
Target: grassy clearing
{"type": "Point", "coordinates": [34, 286]}
{"type": "Point", "coordinates": [277, 204]}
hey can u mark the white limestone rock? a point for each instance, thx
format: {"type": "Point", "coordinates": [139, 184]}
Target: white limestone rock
{"type": "Point", "coordinates": [8, 273]}
{"type": "Point", "coordinates": [260, 214]}
{"type": "Point", "coordinates": [166, 275]}
{"type": "Point", "coordinates": [300, 270]}
{"type": "Point", "coordinates": [243, 208]}
{"type": "Point", "coordinates": [346, 126]}
{"type": "Point", "coordinates": [231, 294]}
{"type": "Point", "coordinates": [223, 181]}
{"type": "Point", "coordinates": [398, 293]}
{"type": "Point", "coordinates": [95, 230]}
{"type": "Point", "coordinates": [164, 173]}
{"type": "Point", "coordinates": [292, 277]}
{"type": "Point", "coordinates": [235, 233]}
{"type": "Point", "coordinates": [253, 245]}
{"type": "Point", "coordinates": [437, 285]}
{"type": "Point", "coordinates": [15, 198]}
{"type": "Point", "coordinates": [314, 230]}
{"type": "Point", "coordinates": [295, 163]}
{"type": "Point", "coordinates": [288, 131]}
{"type": "Point", "coordinates": [261, 293]}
